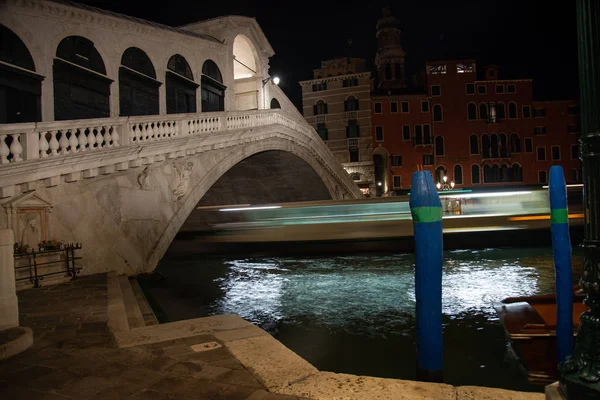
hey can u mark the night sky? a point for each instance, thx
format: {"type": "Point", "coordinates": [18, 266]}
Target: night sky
{"type": "Point", "coordinates": [526, 38]}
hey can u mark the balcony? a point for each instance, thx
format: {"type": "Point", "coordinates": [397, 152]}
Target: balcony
{"type": "Point", "coordinates": [321, 119]}
{"type": "Point", "coordinates": [353, 142]}
{"type": "Point", "coordinates": [350, 115]}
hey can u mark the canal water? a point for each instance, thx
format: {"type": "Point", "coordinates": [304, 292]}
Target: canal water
{"type": "Point", "coordinates": [356, 313]}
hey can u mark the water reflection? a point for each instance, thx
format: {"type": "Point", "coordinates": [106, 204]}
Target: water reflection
{"type": "Point", "coordinates": [355, 314]}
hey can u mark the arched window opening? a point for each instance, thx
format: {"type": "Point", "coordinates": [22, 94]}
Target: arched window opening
{"type": "Point", "coordinates": [487, 174]}
{"type": "Point", "coordinates": [20, 91]}
{"type": "Point", "coordinates": [351, 104]}
{"type": "Point", "coordinates": [437, 113]}
{"type": "Point", "coordinates": [500, 111]}
{"type": "Point", "coordinates": [322, 131]}
{"type": "Point", "coordinates": [474, 144]}
{"type": "Point", "coordinates": [494, 145]}
{"type": "Point", "coordinates": [213, 90]}
{"type": "Point", "coordinates": [485, 146]}
{"type": "Point", "coordinates": [503, 146]}
{"type": "Point", "coordinates": [440, 173]}
{"type": "Point", "coordinates": [320, 108]}
{"type": "Point", "coordinates": [138, 87]}
{"type": "Point", "coordinates": [458, 175]}
{"type": "Point", "coordinates": [504, 173]}
{"type": "Point", "coordinates": [483, 111]}
{"type": "Point", "coordinates": [495, 173]}
{"type": "Point", "coordinates": [439, 146]}
{"type": "Point", "coordinates": [517, 173]}
{"type": "Point", "coordinates": [244, 61]}
{"type": "Point", "coordinates": [275, 103]}
{"type": "Point", "coordinates": [472, 111]}
{"type": "Point", "coordinates": [181, 88]}
{"type": "Point", "coordinates": [475, 174]}
{"type": "Point", "coordinates": [515, 143]}
{"type": "Point", "coordinates": [80, 93]}
{"type": "Point", "coordinates": [512, 110]}
{"type": "Point", "coordinates": [388, 72]}
{"type": "Point", "coordinates": [397, 71]}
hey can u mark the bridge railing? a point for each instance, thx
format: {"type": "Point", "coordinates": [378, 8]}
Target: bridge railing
{"type": "Point", "coordinates": [29, 141]}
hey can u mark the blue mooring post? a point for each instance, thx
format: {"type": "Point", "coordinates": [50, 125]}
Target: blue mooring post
{"type": "Point", "coordinates": [426, 210]}
{"type": "Point", "coordinates": [561, 251]}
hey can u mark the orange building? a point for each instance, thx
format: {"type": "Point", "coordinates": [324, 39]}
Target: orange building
{"type": "Point", "coordinates": [475, 132]}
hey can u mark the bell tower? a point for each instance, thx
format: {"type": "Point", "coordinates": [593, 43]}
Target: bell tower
{"type": "Point", "coordinates": [390, 56]}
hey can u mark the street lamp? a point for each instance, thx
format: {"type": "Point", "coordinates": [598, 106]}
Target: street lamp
{"type": "Point", "coordinates": [445, 185]}
{"type": "Point", "coordinates": [275, 80]}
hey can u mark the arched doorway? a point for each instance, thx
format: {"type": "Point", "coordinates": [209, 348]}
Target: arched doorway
{"type": "Point", "coordinates": [245, 74]}
{"type": "Point", "coordinates": [275, 103]}
{"type": "Point", "coordinates": [138, 87]}
{"type": "Point", "coordinates": [181, 88]}
{"type": "Point", "coordinates": [20, 86]}
{"type": "Point", "coordinates": [213, 90]}
{"type": "Point", "coordinates": [81, 87]}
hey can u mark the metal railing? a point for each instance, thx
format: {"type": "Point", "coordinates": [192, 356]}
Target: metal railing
{"type": "Point", "coordinates": [37, 259]}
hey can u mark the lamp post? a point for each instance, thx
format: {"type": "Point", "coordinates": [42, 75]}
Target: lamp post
{"type": "Point", "coordinates": [580, 374]}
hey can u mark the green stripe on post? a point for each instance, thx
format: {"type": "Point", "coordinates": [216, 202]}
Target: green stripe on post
{"type": "Point", "coordinates": [426, 214]}
{"type": "Point", "coordinates": [559, 216]}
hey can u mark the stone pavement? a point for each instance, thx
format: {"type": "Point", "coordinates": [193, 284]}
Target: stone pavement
{"type": "Point", "coordinates": [74, 356]}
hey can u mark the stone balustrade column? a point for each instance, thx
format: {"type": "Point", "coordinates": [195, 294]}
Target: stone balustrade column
{"type": "Point", "coordinates": [9, 309]}
{"type": "Point", "coordinates": [31, 145]}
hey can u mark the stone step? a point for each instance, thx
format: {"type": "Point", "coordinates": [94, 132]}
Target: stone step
{"type": "Point", "coordinates": [132, 308]}
{"type": "Point", "coordinates": [147, 312]}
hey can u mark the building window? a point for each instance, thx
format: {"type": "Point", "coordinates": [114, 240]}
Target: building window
{"type": "Point", "coordinates": [500, 111]}
{"type": "Point", "coordinates": [470, 88]}
{"type": "Point", "coordinates": [388, 72]}
{"type": "Point", "coordinates": [350, 82]}
{"type": "Point", "coordinates": [427, 159]}
{"type": "Point", "coordinates": [377, 107]}
{"type": "Point", "coordinates": [458, 178]}
{"type": "Point", "coordinates": [425, 106]}
{"type": "Point", "coordinates": [573, 128]}
{"type": "Point", "coordinates": [427, 134]}
{"type": "Point", "coordinates": [418, 134]}
{"type": "Point", "coordinates": [436, 90]}
{"type": "Point", "coordinates": [539, 112]}
{"type": "Point", "coordinates": [320, 108]}
{"type": "Point", "coordinates": [511, 88]}
{"type": "Point", "coordinates": [481, 89]}
{"type": "Point", "coordinates": [494, 145]}
{"type": "Point", "coordinates": [576, 175]}
{"type": "Point", "coordinates": [542, 177]}
{"type": "Point", "coordinates": [439, 146]}
{"type": "Point", "coordinates": [526, 111]}
{"type": "Point", "coordinates": [475, 174]}
{"type": "Point", "coordinates": [396, 161]}
{"type": "Point", "coordinates": [528, 145]}
{"type": "Point", "coordinates": [515, 143]}
{"type": "Point", "coordinates": [379, 133]}
{"type": "Point", "coordinates": [574, 151]}
{"type": "Point", "coordinates": [483, 111]}
{"type": "Point", "coordinates": [499, 89]}
{"type": "Point", "coordinates": [439, 69]}
{"type": "Point", "coordinates": [541, 154]}
{"type": "Point", "coordinates": [354, 156]}
{"type": "Point", "coordinates": [356, 177]}
{"type": "Point", "coordinates": [317, 87]}
{"type": "Point", "coordinates": [573, 109]}
{"type": "Point", "coordinates": [406, 132]}
{"type": "Point", "coordinates": [353, 129]}
{"type": "Point", "coordinates": [485, 146]}
{"type": "Point", "coordinates": [351, 104]}
{"type": "Point", "coordinates": [540, 130]}
{"type": "Point", "coordinates": [404, 105]}
{"type": "Point", "coordinates": [512, 110]}
{"type": "Point", "coordinates": [555, 153]}
{"type": "Point", "coordinates": [464, 68]}
{"type": "Point", "coordinates": [322, 131]}
{"type": "Point", "coordinates": [397, 181]}
{"type": "Point", "coordinates": [472, 111]}
{"type": "Point", "coordinates": [393, 107]}
{"type": "Point", "coordinates": [437, 113]}
{"type": "Point", "coordinates": [474, 144]}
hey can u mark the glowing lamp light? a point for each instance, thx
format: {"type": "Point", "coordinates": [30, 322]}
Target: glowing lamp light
{"type": "Point", "coordinates": [276, 80]}
{"type": "Point", "coordinates": [378, 183]}
{"type": "Point", "coordinates": [445, 178]}
{"type": "Point", "coordinates": [452, 184]}
{"type": "Point", "coordinates": [439, 185]}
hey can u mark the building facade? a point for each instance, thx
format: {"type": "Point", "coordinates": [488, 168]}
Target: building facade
{"type": "Point", "coordinates": [337, 103]}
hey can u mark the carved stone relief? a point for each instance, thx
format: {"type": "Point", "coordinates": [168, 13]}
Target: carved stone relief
{"type": "Point", "coordinates": [143, 178]}
{"type": "Point", "coordinates": [183, 170]}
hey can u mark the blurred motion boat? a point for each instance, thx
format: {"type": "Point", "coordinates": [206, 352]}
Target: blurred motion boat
{"type": "Point", "coordinates": [530, 324]}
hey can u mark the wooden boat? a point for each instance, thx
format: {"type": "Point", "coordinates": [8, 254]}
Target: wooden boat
{"type": "Point", "coordinates": [530, 324]}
